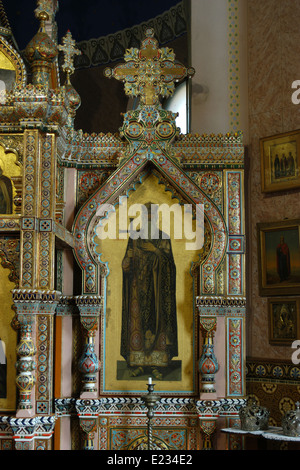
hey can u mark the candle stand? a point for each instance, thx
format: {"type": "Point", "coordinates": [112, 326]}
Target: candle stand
{"type": "Point", "coordinates": [150, 400]}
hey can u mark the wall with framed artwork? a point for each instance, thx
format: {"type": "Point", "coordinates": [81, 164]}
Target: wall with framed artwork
{"type": "Point", "coordinates": [280, 162]}
{"type": "Point", "coordinates": [273, 197]}
{"type": "Point", "coordinates": [179, 375]}
{"type": "Point", "coordinates": [283, 320]}
{"type": "Point", "coordinates": [279, 257]}
{"type": "Point", "coordinates": [273, 201]}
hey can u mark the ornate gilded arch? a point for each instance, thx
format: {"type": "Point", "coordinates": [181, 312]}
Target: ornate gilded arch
{"type": "Point", "coordinates": [123, 177]}
{"type": "Point", "coordinates": [11, 60]}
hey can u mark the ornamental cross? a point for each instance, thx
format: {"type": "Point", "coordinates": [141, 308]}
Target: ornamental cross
{"type": "Point", "coordinates": [149, 72]}
{"type": "Point", "coordinates": [69, 51]}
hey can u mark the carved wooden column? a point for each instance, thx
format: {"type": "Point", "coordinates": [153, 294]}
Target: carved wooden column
{"type": "Point", "coordinates": [89, 310]}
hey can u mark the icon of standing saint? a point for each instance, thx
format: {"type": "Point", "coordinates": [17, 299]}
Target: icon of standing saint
{"type": "Point", "coordinates": [149, 323]}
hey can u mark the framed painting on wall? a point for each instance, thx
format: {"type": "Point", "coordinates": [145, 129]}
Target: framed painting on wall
{"type": "Point", "coordinates": [280, 162]}
{"type": "Point", "coordinates": [279, 257]}
{"type": "Point", "coordinates": [283, 320]}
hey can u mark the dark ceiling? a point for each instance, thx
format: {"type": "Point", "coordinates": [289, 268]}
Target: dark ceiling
{"type": "Point", "coordinates": [85, 19]}
{"type": "Point", "coordinates": [93, 19]}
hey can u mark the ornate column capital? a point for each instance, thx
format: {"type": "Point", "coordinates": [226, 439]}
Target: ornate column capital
{"type": "Point", "coordinates": [26, 300]}
{"type": "Point", "coordinates": [49, 301]}
{"type": "Point", "coordinates": [90, 308]}
{"type": "Point", "coordinates": [67, 306]}
{"type": "Point", "coordinates": [88, 412]}
{"type": "Point", "coordinates": [208, 324]}
{"type": "Point", "coordinates": [27, 430]}
{"type": "Point", "coordinates": [207, 428]}
{"type": "Point", "coordinates": [64, 406]}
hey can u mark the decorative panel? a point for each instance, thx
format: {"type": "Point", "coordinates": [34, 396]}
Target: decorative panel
{"type": "Point", "coordinates": [275, 384]}
{"type": "Point", "coordinates": [235, 357]}
{"type": "Point", "coordinates": [131, 433]}
{"type": "Point", "coordinates": [234, 197]}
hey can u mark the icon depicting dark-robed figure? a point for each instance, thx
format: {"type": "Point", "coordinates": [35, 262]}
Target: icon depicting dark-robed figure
{"type": "Point", "coordinates": [5, 194]}
{"type": "Point", "coordinates": [149, 324]}
{"type": "Point", "coordinates": [283, 260]}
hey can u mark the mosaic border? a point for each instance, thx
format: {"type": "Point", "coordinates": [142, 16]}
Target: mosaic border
{"type": "Point", "coordinates": [234, 64]}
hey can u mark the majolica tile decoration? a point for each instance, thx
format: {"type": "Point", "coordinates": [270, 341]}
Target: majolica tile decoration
{"type": "Point", "coordinates": [56, 275]}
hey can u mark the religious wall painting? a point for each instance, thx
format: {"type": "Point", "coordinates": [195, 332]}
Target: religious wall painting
{"type": "Point", "coordinates": [280, 162]}
{"type": "Point", "coordinates": [149, 302]}
{"type": "Point", "coordinates": [279, 257]}
{"type": "Point", "coordinates": [5, 194]}
{"type": "Point", "coordinates": [7, 75]}
{"type": "Point", "coordinates": [12, 69]}
{"type": "Point", "coordinates": [149, 320]}
{"type": "Point", "coordinates": [9, 276]}
{"type": "Point", "coordinates": [10, 172]}
{"type": "Point", "coordinates": [283, 320]}
{"type": "Point", "coordinates": [10, 178]}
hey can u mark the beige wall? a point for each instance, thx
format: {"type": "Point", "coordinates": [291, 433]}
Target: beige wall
{"type": "Point", "coordinates": [268, 53]}
{"type": "Point", "coordinates": [219, 57]}
{"type": "Point", "coordinates": [273, 64]}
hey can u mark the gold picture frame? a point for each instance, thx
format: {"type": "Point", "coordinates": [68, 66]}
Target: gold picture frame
{"type": "Point", "coordinates": [279, 257]}
{"type": "Point", "coordinates": [283, 320]}
{"type": "Point", "coordinates": [179, 376]}
{"type": "Point", "coordinates": [280, 162]}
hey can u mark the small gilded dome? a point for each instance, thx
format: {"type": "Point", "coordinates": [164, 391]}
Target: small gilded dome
{"type": "Point", "coordinates": [41, 46]}
{"type": "Point", "coordinates": [74, 97]}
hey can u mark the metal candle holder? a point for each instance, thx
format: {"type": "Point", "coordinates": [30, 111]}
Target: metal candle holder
{"type": "Point", "coordinates": [150, 401]}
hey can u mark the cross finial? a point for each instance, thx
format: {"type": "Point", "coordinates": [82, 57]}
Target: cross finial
{"type": "Point", "coordinates": [69, 51]}
{"type": "Point", "coordinates": [149, 72]}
